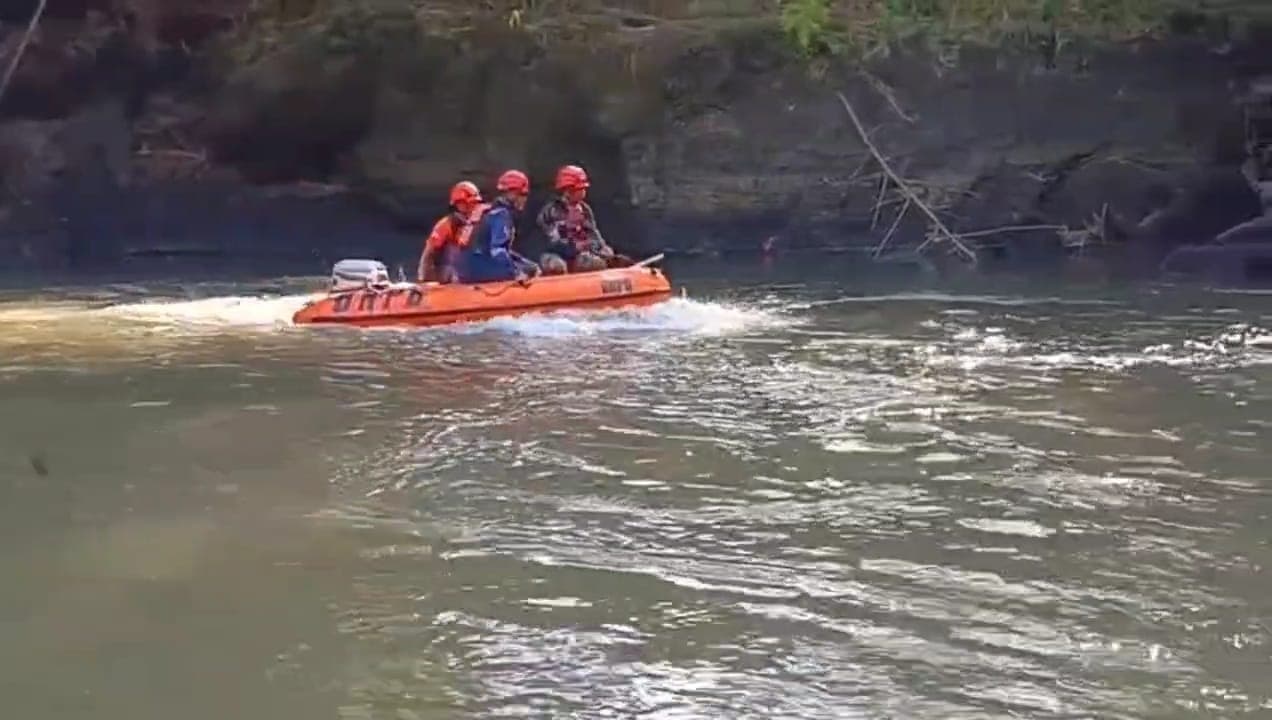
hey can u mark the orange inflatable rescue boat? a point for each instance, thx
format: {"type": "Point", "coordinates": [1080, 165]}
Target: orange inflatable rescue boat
{"type": "Point", "coordinates": [361, 295]}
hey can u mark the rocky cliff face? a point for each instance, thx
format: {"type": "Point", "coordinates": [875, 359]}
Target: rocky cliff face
{"type": "Point", "coordinates": [328, 127]}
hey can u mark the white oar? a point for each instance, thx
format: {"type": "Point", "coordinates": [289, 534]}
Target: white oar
{"type": "Point", "coordinates": [650, 260]}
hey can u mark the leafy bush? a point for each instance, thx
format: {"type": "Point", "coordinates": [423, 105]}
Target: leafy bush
{"type": "Point", "coordinates": [807, 24]}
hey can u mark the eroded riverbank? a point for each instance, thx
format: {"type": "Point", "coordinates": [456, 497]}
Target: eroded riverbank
{"type": "Point", "coordinates": [318, 130]}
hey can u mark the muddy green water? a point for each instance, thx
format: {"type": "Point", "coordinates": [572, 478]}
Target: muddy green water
{"type": "Point", "coordinates": [769, 500]}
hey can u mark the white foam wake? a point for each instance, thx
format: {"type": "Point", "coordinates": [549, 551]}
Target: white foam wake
{"type": "Point", "coordinates": [973, 348]}
{"type": "Point", "coordinates": [232, 313]}
{"type": "Point", "coordinates": [678, 315]}
{"type": "Point", "coordinates": [215, 312]}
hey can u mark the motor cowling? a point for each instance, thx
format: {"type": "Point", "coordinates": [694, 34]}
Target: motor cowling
{"type": "Point", "coordinates": [357, 274]}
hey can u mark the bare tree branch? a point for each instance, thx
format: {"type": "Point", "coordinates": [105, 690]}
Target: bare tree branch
{"type": "Point", "coordinates": [901, 184]}
{"type": "Point", "coordinates": [22, 46]}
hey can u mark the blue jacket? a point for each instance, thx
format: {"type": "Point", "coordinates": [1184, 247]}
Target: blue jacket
{"type": "Point", "coordinates": [487, 258]}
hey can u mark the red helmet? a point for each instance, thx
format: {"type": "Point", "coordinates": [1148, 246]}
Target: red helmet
{"type": "Point", "coordinates": [571, 177]}
{"type": "Point", "coordinates": [514, 181]}
{"type": "Point", "coordinates": [464, 194]}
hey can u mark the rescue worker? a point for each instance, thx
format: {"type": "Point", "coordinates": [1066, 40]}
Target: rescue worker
{"type": "Point", "coordinates": [489, 256]}
{"type": "Point", "coordinates": [450, 235]}
{"type": "Point", "coordinates": [574, 242]}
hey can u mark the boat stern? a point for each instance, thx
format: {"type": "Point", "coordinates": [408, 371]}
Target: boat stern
{"type": "Point", "coordinates": [311, 311]}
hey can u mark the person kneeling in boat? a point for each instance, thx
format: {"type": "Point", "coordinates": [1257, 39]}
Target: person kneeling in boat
{"type": "Point", "coordinates": [489, 256]}
{"type": "Point", "coordinates": [574, 242]}
{"type": "Point", "coordinates": [450, 235]}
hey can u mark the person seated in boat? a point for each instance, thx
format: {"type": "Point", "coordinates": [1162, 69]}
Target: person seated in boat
{"type": "Point", "coordinates": [489, 256]}
{"type": "Point", "coordinates": [450, 235]}
{"type": "Point", "coordinates": [574, 242]}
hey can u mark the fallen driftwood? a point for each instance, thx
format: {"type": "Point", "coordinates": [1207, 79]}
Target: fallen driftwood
{"type": "Point", "coordinates": [1012, 229]}
{"type": "Point", "coordinates": [895, 224]}
{"type": "Point", "coordinates": [911, 198]}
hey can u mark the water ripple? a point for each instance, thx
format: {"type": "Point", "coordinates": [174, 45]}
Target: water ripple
{"type": "Point", "coordinates": [792, 504]}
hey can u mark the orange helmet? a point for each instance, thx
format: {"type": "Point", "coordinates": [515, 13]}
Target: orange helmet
{"type": "Point", "coordinates": [514, 181]}
{"type": "Point", "coordinates": [464, 194]}
{"type": "Point", "coordinates": [571, 177]}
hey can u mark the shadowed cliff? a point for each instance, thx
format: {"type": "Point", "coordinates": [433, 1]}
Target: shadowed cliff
{"type": "Point", "coordinates": [319, 128]}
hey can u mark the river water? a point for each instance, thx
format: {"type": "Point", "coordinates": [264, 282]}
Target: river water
{"type": "Point", "coordinates": [771, 499]}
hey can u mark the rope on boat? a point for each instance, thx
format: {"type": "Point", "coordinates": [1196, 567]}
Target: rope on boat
{"type": "Point", "coordinates": [507, 286]}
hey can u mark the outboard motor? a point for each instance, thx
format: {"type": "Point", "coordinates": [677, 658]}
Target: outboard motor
{"type": "Point", "coordinates": [355, 274]}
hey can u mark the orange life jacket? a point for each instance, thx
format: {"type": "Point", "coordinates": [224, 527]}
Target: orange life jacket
{"type": "Point", "coordinates": [465, 234]}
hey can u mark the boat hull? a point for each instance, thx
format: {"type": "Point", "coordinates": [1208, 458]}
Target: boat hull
{"type": "Point", "coordinates": [426, 304]}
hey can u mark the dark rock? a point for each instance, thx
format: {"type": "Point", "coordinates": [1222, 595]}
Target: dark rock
{"type": "Point", "coordinates": [1240, 255]}
{"type": "Point", "coordinates": [292, 116]}
{"type": "Point", "coordinates": [1207, 204]}
{"type": "Point", "coordinates": [1258, 230]}
{"type": "Point", "coordinates": [1234, 264]}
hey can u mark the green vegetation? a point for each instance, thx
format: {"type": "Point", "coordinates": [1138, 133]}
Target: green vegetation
{"type": "Point", "coordinates": [328, 27]}
{"type": "Point", "coordinates": [813, 28]}
{"type": "Point", "coordinates": [817, 27]}
{"type": "Point", "coordinates": [807, 23]}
